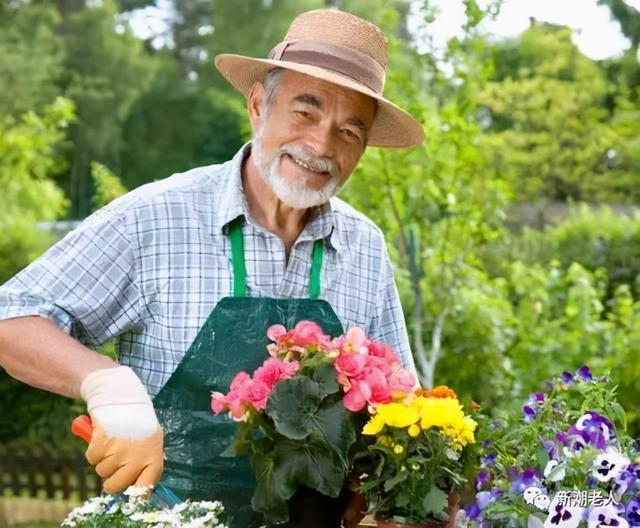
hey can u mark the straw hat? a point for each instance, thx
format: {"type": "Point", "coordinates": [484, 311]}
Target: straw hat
{"type": "Point", "coordinates": [339, 48]}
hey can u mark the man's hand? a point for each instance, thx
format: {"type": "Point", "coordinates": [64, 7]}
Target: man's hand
{"type": "Point", "coordinates": [127, 442]}
{"type": "Point", "coordinates": [354, 511]}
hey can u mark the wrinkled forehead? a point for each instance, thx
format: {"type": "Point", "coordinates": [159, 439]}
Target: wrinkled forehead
{"type": "Point", "coordinates": [324, 95]}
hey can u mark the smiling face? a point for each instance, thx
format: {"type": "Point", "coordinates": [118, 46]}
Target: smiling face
{"type": "Point", "coordinates": [308, 138]}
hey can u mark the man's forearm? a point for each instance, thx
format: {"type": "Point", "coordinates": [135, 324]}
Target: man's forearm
{"type": "Point", "coordinates": [36, 352]}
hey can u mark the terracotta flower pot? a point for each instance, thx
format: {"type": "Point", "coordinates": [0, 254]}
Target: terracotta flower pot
{"type": "Point", "coordinates": [452, 510]}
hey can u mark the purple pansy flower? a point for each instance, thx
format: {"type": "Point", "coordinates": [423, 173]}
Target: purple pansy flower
{"type": "Point", "coordinates": [531, 407]}
{"type": "Point", "coordinates": [624, 482]}
{"type": "Point", "coordinates": [633, 512]}
{"type": "Point", "coordinates": [529, 477]}
{"type": "Point", "coordinates": [584, 373]}
{"type": "Point", "coordinates": [591, 429]}
{"type": "Point", "coordinates": [551, 448]}
{"type": "Point", "coordinates": [566, 377]}
{"type": "Point", "coordinates": [489, 459]}
{"type": "Point", "coordinates": [482, 479]}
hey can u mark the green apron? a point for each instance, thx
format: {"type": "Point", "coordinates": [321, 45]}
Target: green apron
{"type": "Point", "coordinates": [232, 339]}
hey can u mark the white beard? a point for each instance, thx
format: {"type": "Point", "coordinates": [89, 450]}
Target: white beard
{"type": "Point", "coordinates": [294, 194]}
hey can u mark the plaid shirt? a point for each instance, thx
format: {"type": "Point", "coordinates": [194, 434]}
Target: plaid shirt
{"type": "Point", "coordinates": [150, 267]}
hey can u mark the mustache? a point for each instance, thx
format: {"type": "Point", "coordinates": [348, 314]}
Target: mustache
{"type": "Point", "coordinates": [306, 155]}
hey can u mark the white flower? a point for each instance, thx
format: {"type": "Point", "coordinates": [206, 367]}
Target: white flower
{"type": "Point", "coordinates": [606, 516]}
{"type": "Point", "coordinates": [562, 513]}
{"type": "Point", "coordinates": [609, 465]}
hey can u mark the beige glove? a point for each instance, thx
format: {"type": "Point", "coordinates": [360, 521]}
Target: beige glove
{"type": "Point", "coordinates": [127, 441]}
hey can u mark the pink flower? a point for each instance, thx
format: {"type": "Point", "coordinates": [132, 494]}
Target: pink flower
{"type": "Point", "coordinates": [275, 332]}
{"type": "Point", "coordinates": [218, 402]}
{"type": "Point", "coordinates": [351, 364]}
{"type": "Point", "coordinates": [236, 405]}
{"type": "Point", "coordinates": [240, 379]}
{"type": "Point", "coordinates": [357, 396]}
{"type": "Point", "coordinates": [258, 394]}
{"type": "Point", "coordinates": [383, 351]}
{"type": "Point", "coordinates": [274, 370]}
{"type": "Point", "coordinates": [308, 333]}
{"type": "Point", "coordinates": [377, 383]}
{"type": "Point", "coordinates": [354, 340]}
{"type": "Point", "coordinates": [401, 380]}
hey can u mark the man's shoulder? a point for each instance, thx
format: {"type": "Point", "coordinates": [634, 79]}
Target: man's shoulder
{"type": "Point", "coordinates": [192, 182]}
{"type": "Point", "coordinates": [352, 224]}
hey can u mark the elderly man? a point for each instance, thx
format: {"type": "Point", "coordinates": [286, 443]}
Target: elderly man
{"type": "Point", "coordinates": [188, 272]}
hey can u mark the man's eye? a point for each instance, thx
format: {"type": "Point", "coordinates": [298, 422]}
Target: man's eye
{"type": "Point", "coordinates": [303, 113]}
{"type": "Point", "coordinates": [350, 133]}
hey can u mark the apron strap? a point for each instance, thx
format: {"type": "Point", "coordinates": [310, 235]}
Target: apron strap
{"type": "Point", "coordinates": [316, 268]}
{"type": "Point", "coordinates": [240, 267]}
{"type": "Point", "coordinates": [237, 258]}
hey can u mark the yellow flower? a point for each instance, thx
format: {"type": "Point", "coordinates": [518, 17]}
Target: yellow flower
{"type": "Point", "coordinates": [414, 430]}
{"type": "Point", "coordinates": [398, 449]}
{"type": "Point", "coordinates": [447, 414]}
{"type": "Point", "coordinates": [374, 425]}
{"type": "Point", "coordinates": [396, 415]}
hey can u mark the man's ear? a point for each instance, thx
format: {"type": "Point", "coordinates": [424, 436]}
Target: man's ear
{"type": "Point", "coordinates": [256, 105]}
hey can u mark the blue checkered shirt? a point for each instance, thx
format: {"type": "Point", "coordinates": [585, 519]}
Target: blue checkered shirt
{"type": "Point", "coordinates": [149, 268]}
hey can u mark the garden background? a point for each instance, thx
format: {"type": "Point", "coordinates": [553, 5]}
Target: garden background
{"type": "Point", "coordinates": [514, 228]}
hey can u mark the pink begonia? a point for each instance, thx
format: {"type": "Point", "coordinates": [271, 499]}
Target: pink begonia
{"type": "Point", "coordinates": [357, 396]}
{"type": "Point", "coordinates": [401, 380]}
{"type": "Point", "coordinates": [245, 391]}
{"type": "Point", "coordinates": [305, 333]}
{"type": "Point", "coordinates": [258, 394]}
{"type": "Point", "coordinates": [369, 371]}
{"type": "Point", "coordinates": [218, 402]}
{"type": "Point", "coordinates": [351, 364]}
{"type": "Point", "coordinates": [273, 370]}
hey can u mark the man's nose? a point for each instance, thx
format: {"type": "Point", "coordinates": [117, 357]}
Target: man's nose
{"type": "Point", "coordinates": [323, 141]}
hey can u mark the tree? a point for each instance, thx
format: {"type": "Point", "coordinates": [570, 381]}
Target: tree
{"type": "Point", "coordinates": [31, 55]}
{"type": "Point", "coordinates": [550, 133]}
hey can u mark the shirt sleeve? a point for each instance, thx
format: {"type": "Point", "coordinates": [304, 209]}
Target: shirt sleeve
{"type": "Point", "coordinates": [85, 283]}
{"type": "Point", "coordinates": [388, 324]}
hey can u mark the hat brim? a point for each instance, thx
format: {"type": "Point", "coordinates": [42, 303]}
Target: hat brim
{"type": "Point", "coordinates": [393, 127]}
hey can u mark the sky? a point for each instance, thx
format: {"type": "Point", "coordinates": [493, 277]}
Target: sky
{"type": "Point", "coordinates": [595, 33]}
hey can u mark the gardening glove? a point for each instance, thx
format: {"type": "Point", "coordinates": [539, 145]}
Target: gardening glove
{"type": "Point", "coordinates": [126, 446]}
{"type": "Point", "coordinates": [355, 510]}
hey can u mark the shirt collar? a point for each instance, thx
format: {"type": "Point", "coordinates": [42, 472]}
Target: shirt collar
{"type": "Point", "coordinates": [233, 203]}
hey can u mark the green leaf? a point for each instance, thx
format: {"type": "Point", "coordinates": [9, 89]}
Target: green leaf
{"type": "Point", "coordinates": [271, 494]}
{"type": "Point", "coordinates": [399, 477]}
{"type": "Point", "coordinates": [325, 376]}
{"type": "Point", "coordinates": [298, 410]}
{"type": "Point", "coordinates": [435, 502]}
{"type": "Point", "coordinates": [292, 464]}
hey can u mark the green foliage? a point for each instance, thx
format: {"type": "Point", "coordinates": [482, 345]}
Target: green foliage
{"type": "Point", "coordinates": [594, 238]}
{"type": "Point", "coordinates": [28, 154]}
{"type": "Point", "coordinates": [107, 185]}
{"type": "Point", "coordinates": [549, 132]}
{"type": "Point", "coordinates": [31, 55]}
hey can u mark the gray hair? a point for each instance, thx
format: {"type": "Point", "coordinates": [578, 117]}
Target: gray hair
{"type": "Point", "coordinates": [271, 82]}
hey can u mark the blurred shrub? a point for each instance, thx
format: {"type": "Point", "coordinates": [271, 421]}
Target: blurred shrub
{"type": "Point", "coordinates": [593, 238]}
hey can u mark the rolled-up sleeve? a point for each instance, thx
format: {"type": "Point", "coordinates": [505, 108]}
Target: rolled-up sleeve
{"type": "Point", "coordinates": [85, 284]}
{"type": "Point", "coordinates": [389, 325]}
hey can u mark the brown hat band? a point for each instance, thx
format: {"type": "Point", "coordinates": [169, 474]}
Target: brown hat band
{"type": "Point", "coordinates": [346, 61]}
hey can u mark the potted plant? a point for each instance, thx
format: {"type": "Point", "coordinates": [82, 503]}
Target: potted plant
{"type": "Point", "coordinates": [413, 466]}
